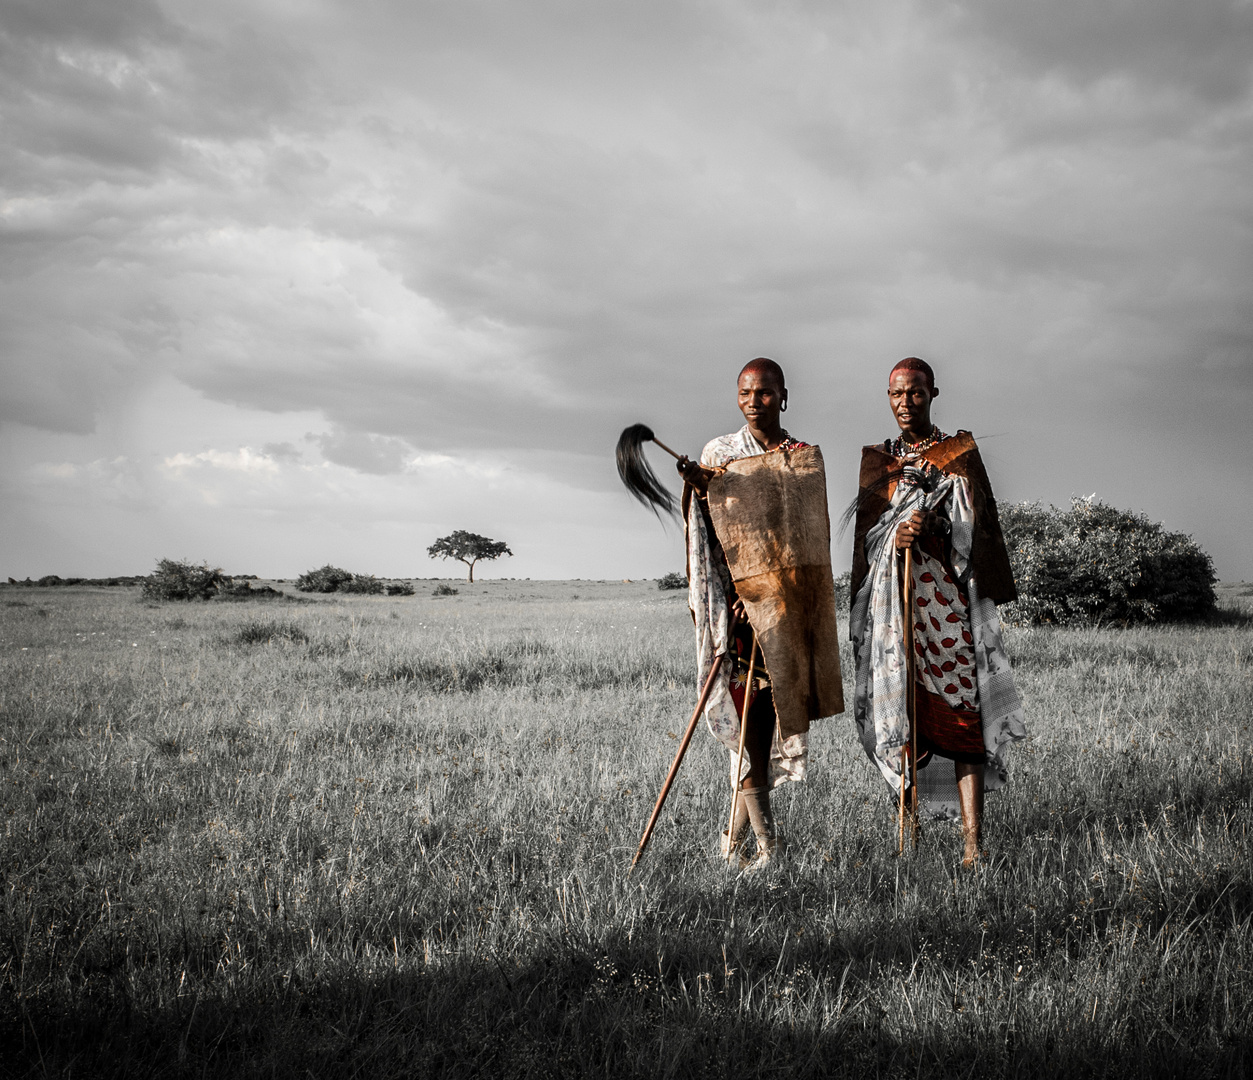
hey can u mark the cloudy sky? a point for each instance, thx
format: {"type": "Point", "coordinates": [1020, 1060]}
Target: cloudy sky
{"type": "Point", "coordinates": [288, 282]}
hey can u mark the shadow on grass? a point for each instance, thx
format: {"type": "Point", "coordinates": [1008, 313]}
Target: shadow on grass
{"type": "Point", "coordinates": [1229, 616]}
{"type": "Point", "coordinates": [1137, 790]}
{"type": "Point", "coordinates": [616, 1012]}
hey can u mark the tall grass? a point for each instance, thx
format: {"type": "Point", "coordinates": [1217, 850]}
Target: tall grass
{"type": "Point", "coordinates": [391, 837]}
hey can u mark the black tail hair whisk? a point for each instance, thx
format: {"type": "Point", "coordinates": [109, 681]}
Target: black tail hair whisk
{"type": "Point", "coordinates": [637, 474]}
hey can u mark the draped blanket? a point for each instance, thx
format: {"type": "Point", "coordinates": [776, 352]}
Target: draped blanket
{"type": "Point", "coordinates": [876, 627]}
{"type": "Point", "coordinates": [771, 545]}
{"type": "Point", "coordinates": [956, 455]}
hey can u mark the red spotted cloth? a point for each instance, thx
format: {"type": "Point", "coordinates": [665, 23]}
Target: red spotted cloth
{"type": "Point", "coordinates": [947, 698]}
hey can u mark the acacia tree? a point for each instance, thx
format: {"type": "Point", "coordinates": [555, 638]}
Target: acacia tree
{"type": "Point", "coordinates": [468, 547]}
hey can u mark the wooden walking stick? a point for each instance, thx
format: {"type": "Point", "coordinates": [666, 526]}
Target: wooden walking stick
{"type": "Point", "coordinates": [900, 840]}
{"type": "Point", "coordinates": [678, 758]}
{"type": "Point", "coordinates": [739, 761]}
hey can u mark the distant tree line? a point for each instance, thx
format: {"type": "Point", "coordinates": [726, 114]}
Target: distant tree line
{"type": "Point", "coordinates": [52, 580]}
{"type": "Point", "coordinates": [1089, 564]}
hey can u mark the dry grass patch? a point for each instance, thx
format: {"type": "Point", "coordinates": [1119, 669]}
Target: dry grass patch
{"type": "Point", "coordinates": [392, 837]}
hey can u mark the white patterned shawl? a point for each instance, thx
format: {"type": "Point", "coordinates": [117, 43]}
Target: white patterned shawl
{"type": "Point", "coordinates": [709, 583]}
{"type": "Point", "coordinates": [876, 627]}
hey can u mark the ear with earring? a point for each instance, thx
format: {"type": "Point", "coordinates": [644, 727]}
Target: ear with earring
{"type": "Point", "coordinates": [783, 407]}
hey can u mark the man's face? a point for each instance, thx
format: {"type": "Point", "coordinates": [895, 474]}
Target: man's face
{"type": "Point", "coordinates": [761, 399]}
{"type": "Point", "coordinates": [910, 398]}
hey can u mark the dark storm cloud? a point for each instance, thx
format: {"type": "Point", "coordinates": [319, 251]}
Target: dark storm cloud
{"type": "Point", "coordinates": [1201, 47]}
{"type": "Point", "coordinates": [364, 452]}
{"type": "Point", "coordinates": [121, 87]}
{"type": "Point", "coordinates": [118, 24]}
{"type": "Point", "coordinates": [283, 451]}
{"type": "Point", "coordinates": [107, 112]}
{"type": "Point", "coordinates": [480, 228]}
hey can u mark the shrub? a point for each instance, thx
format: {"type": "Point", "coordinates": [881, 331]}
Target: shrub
{"type": "Point", "coordinates": [364, 584]}
{"type": "Point", "coordinates": [672, 581]}
{"type": "Point", "coordinates": [173, 580]}
{"type": "Point", "coordinates": [841, 591]}
{"type": "Point", "coordinates": [331, 579]}
{"type": "Point", "coordinates": [326, 580]}
{"type": "Point", "coordinates": [401, 589]}
{"type": "Point", "coordinates": [444, 590]}
{"type": "Point", "coordinates": [240, 590]}
{"type": "Point", "coordinates": [1094, 563]}
{"type": "Point", "coordinates": [262, 633]}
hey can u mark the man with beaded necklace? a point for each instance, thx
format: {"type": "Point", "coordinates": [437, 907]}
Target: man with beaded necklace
{"type": "Point", "coordinates": [929, 491]}
{"type": "Point", "coordinates": [720, 617]}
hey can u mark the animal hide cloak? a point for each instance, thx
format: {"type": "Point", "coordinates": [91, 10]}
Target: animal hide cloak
{"type": "Point", "coordinates": [770, 514]}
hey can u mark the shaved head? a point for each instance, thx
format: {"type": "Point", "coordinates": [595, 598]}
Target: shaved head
{"type": "Point", "coordinates": [762, 395]}
{"type": "Point", "coordinates": [912, 363]}
{"type": "Point", "coordinates": [911, 389]}
{"type": "Point", "coordinates": [765, 369]}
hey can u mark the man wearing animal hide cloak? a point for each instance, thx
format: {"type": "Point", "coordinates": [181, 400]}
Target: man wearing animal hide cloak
{"type": "Point", "coordinates": [929, 490]}
{"type": "Point", "coordinates": [758, 559]}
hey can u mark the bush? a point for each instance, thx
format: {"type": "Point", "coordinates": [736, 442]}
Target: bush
{"type": "Point", "coordinates": [174, 580]}
{"type": "Point", "coordinates": [841, 591]}
{"type": "Point", "coordinates": [672, 581]}
{"type": "Point", "coordinates": [401, 589]}
{"type": "Point", "coordinates": [444, 590]}
{"type": "Point", "coordinates": [235, 589]}
{"type": "Point", "coordinates": [326, 580]}
{"type": "Point", "coordinates": [363, 584]}
{"type": "Point", "coordinates": [1094, 563]}
{"type": "Point", "coordinates": [262, 633]}
{"type": "Point", "coordinates": [331, 579]}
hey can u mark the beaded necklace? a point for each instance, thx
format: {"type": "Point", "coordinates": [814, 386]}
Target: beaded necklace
{"type": "Point", "coordinates": [901, 448]}
{"type": "Point", "coordinates": [786, 443]}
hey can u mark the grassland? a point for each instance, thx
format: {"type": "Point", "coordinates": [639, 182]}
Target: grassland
{"type": "Point", "coordinates": [390, 837]}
